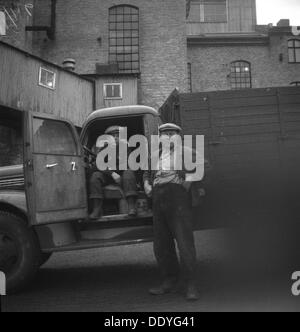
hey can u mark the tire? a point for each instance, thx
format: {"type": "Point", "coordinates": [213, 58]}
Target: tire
{"type": "Point", "coordinates": [20, 252]}
{"type": "Point", "coordinates": [44, 258]}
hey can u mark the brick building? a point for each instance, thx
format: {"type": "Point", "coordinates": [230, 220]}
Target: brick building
{"type": "Point", "coordinates": [138, 51]}
{"type": "Point", "coordinates": [147, 39]}
{"type": "Point", "coordinates": [228, 50]}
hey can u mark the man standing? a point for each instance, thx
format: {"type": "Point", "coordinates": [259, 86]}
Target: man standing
{"type": "Point", "coordinates": [172, 220]}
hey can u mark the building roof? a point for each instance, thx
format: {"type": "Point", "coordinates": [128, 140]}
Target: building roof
{"type": "Point", "coordinates": [215, 39]}
{"type": "Point", "coordinates": [27, 54]}
{"type": "Point", "coordinates": [261, 36]}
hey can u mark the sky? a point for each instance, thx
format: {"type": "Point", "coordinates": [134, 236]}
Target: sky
{"type": "Point", "coordinates": [271, 11]}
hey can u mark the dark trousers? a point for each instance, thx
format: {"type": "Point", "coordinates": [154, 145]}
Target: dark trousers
{"type": "Point", "coordinates": [172, 221]}
{"type": "Point", "coordinates": [98, 180]}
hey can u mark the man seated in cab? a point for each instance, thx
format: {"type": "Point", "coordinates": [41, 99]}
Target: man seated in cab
{"type": "Point", "coordinates": [125, 179]}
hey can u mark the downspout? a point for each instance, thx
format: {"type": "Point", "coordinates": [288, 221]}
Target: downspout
{"type": "Point", "coordinates": [49, 30]}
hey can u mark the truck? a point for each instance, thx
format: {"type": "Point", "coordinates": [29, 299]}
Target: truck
{"type": "Point", "coordinates": [44, 206]}
{"type": "Point", "coordinates": [252, 140]}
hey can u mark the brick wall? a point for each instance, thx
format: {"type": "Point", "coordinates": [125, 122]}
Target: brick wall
{"type": "Point", "coordinates": [18, 15]}
{"type": "Point", "coordinates": [163, 50]}
{"type": "Point", "coordinates": [211, 65]}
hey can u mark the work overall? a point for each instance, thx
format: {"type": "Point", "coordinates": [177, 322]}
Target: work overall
{"type": "Point", "coordinates": [172, 221]}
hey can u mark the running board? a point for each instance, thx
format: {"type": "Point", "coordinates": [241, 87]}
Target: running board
{"type": "Point", "coordinates": [89, 244]}
{"type": "Point", "coordinates": [117, 221]}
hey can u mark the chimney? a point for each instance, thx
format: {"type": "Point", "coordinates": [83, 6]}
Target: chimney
{"type": "Point", "coordinates": [69, 64]}
{"type": "Point", "coordinates": [283, 23]}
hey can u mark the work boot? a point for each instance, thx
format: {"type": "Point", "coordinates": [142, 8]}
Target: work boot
{"type": "Point", "coordinates": [97, 209]}
{"type": "Point", "coordinates": [132, 211]}
{"type": "Point", "coordinates": [166, 287]}
{"type": "Point", "coordinates": [192, 293]}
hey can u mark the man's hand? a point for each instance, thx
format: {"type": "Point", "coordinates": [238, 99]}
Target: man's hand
{"type": "Point", "coordinates": [148, 188]}
{"type": "Point", "coordinates": [116, 177]}
{"type": "Point", "coordinates": [187, 185]}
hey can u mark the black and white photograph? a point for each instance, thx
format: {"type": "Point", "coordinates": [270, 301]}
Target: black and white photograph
{"type": "Point", "coordinates": [149, 158]}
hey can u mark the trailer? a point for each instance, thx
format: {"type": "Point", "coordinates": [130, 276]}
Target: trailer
{"type": "Point", "coordinates": [252, 142]}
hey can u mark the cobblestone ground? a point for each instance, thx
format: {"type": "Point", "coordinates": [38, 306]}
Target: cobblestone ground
{"type": "Point", "coordinates": [117, 279]}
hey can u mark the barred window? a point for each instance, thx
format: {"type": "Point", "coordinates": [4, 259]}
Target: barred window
{"type": "Point", "coordinates": [208, 11]}
{"type": "Point", "coordinates": [294, 50]}
{"type": "Point", "coordinates": [240, 75]}
{"type": "Point", "coordinates": [124, 38]}
{"type": "Point", "coordinates": [112, 91]}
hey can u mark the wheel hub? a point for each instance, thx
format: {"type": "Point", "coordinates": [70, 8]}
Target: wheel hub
{"type": "Point", "coordinates": [8, 253]}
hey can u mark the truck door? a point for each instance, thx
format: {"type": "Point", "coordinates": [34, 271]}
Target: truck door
{"type": "Point", "coordinates": [54, 170]}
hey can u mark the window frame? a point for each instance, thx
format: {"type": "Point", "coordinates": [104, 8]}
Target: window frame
{"type": "Point", "coordinates": [232, 64]}
{"type": "Point", "coordinates": [35, 149]}
{"type": "Point", "coordinates": [295, 83]}
{"type": "Point", "coordinates": [293, 48]}
{"type": "Point", "coordinates": [105, 85]}
{"type": "Point", "coordinates": [190, 77]}
{"type": "Point", "coordinates": [202, 16]}
{"type": "Point", "coordinates": [3, 18]}
{"type": "Point", "coordinates": [48, 71]}
{"type": "Point", "coordinates": [124, 40]}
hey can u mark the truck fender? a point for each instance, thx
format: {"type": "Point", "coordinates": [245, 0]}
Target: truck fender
{"type": "Point", "coordinates": [14, 201]}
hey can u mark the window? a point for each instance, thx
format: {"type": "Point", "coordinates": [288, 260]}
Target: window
{"type": "Point", "coordinates": [294, 50]}
{"type": "Point", "coordinates": [208, 11]}
{"type": "Point", "coordinates": [11, 146]}
{"type": "Point", "coordinates": [190, 83]}
{"type": "Point", "coordinates": [47, 78]}
{"type": "Point", "coordinates": [53, 137]}
{"type": "Point", "coordinates": [124, 38]}
{"type": "Point", "coordinates": [296, 83]}
{"type": "Point", "coordinates": [2, 24]}
{"type": "Point", "coordinates": [240, 75]}
{"type": "Point", "coordinates": [112, 91]}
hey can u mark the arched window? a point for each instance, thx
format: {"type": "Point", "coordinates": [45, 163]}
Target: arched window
{"type": "Point", "coordinates": [296, 83]}
{"type": "Point", "coordinates": [124, 38]}
{"type": "Point", "coordinates": [240, 75]}
{"type": "Point", "coordinates": [294, 50]}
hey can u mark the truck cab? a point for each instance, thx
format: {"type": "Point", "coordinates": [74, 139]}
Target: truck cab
{"type": "Point", "coordinates": [44, 206]}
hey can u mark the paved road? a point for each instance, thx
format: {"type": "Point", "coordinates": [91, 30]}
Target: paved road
{"type": "Point", "coordinates": [117, 279]}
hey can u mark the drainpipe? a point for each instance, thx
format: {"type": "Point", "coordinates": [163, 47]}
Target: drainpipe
{"type": "Point", "coordinates": [49, 30]}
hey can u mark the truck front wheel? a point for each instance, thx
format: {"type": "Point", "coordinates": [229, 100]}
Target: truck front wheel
{"type": "Point", "coordinates": [20, 253]}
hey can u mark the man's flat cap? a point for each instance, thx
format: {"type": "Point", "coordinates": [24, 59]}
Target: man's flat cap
{"type": "Point", "coordinates": [113, 130]}
{"type": "Point", "coordinates": [169, 126]}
